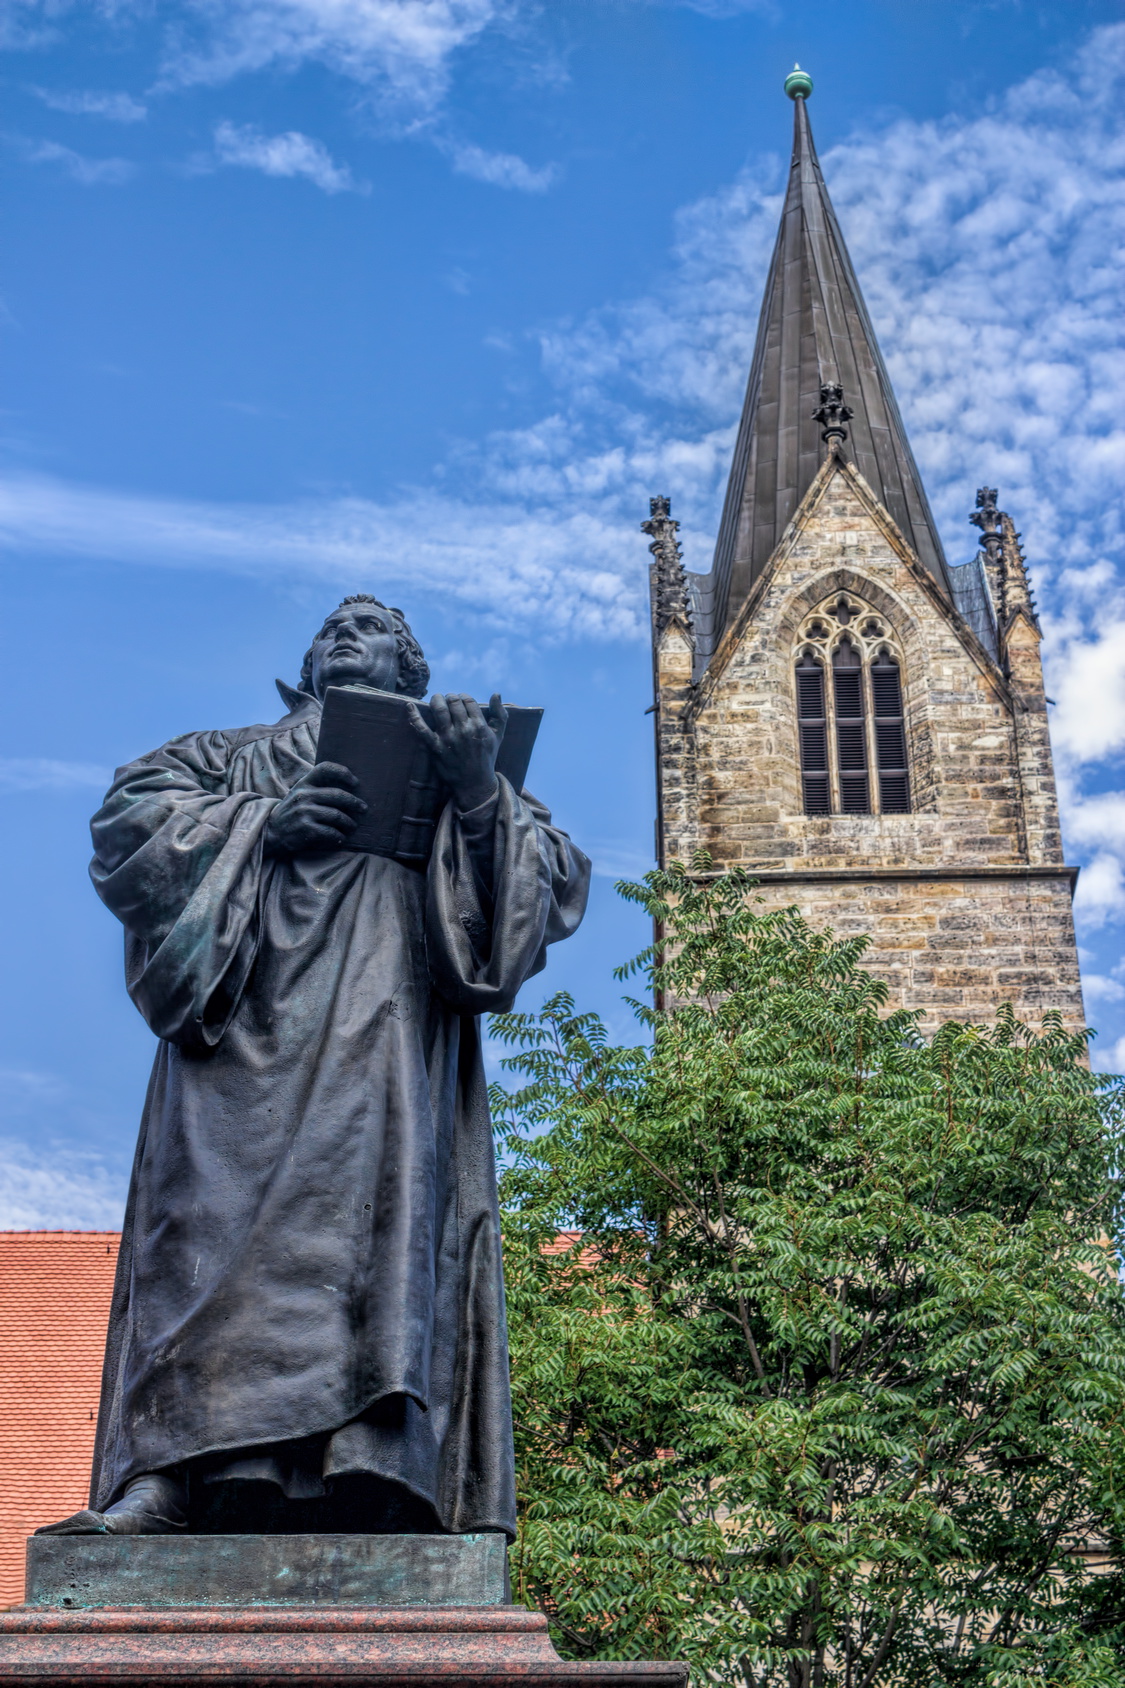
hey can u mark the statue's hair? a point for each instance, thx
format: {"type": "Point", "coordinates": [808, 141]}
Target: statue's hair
{"type": "Point", "coordinates": [413, 669]}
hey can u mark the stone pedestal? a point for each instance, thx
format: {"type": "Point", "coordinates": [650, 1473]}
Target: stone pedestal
{"type": "Point", "coordinates": [423, 1610]}
{"type": "Point", "coordinates": [75, 1572]}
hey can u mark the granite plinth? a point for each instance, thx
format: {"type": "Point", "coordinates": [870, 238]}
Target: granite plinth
{"type": "Point", "coordinates": [428, 1611]}
{"type": "Point", "coordinates": [298, 1570]}
{"type": "Point", "coordinates": [493, 1647]}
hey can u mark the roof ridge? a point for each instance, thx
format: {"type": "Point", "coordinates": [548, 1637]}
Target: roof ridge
{"type": "Point", "coordinates": [54, 1231]}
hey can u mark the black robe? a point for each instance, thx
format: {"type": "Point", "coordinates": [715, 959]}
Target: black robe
{"type": "Point", "coordinates": [311, 1245]}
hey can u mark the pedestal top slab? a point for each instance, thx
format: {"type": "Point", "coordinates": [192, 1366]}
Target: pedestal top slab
{"type": "Point", "coordinates": [357, 1647]}
{"type": "Point", "coordinates": [85, 1572]}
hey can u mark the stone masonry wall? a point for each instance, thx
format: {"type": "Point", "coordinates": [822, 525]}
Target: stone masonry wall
{"type": "Point", "coordinates": [982, 786]}
{"type": "Point", "coordinates": [955, 948]}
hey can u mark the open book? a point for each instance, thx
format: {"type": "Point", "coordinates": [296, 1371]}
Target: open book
{"type": "Point", "coordinates": [370, 733]}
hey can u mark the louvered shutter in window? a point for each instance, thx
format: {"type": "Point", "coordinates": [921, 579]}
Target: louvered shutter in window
{"type": "Point", "coordinates": [851, 732]}
{"type": "Point", "coordinates": [890, 736]}
{"type": "Point", "coordinates": [813, 729]}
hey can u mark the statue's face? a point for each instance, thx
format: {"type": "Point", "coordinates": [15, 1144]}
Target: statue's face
{"type": "Point", "coordinates": [356, 646]}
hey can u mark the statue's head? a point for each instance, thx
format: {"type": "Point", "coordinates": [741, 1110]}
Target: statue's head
{"type": "Point", "coordinates": [367, 643]}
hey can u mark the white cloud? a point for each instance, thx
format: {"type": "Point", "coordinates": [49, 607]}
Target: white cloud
{"type": "Point", "coordinates": [58, 1189]}
{"type": "Point", "coordinates": [40, 773]}
{"type": "Point", "coordinates": [557, 572]}
{"type": "Point", "coordinates": [291, 154]}
{"type": "Point", "coordinates": [1097, 820]}
{"type": "Point", "coordinates": [117, 108]}
{"type": "Point", "coordinates": [1089, 676]}
{"type": "Point", "coordinates": [402, 53]}
{"type": "Point", "coordinates": [616, 858]}
{"type": "Point", "coordinates": [502, 169]}
{"type": "Point", "coordinates": [1100, 896]}
{"type": "Point", "coordinates": [91, 172]}
{"type": "Point", "coordinates": [55, 1184]}
{"type": "Point", "coordinates": [1096, 987]}
{"type": "Point", "coordinates": [400, 49]}
{"type": "Point", "coordinates": [1110, 1059]}
{"type": "Point", "coordinates": [22, 29]}
{"type": "Point", "coordinates": [20, 1086]}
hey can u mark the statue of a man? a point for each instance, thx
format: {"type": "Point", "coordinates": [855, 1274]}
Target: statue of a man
{"type": "Point", "coordinates": [307, 1329]}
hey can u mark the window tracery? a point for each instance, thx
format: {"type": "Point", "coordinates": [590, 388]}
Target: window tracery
{"type": "Point", "coordinates": [850, 718]}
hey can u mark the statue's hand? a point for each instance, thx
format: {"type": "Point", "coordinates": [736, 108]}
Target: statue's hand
{"type": "Point", "coordinates": [464, 741]}
{"type": "Point", "coordinates": [318, 814]}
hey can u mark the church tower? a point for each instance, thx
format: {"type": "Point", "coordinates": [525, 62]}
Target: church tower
{"type": "Point", "coordinates": [839, 710]}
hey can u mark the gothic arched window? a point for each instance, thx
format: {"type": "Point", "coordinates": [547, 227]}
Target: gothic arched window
{"type": "Point", "coordinates": [852, 731]}
{"type": "Point", "coordinates": [812, 724]}
{"type": "Point", "coordinates": [851, 728]}
{"type": "Point", "coordinates": [890, 735]}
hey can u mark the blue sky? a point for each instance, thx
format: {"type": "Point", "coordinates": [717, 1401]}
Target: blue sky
{"type": "Point", "coordinates": [428, 297]}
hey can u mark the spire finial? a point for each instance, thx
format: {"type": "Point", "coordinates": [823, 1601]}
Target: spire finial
{"type": "Point", "coordinates": [832, 413]}
{"type": "Point", "coordinates": [987, 517]}
{"type": "Point", "coordinates": [798, 84]}
{"type": "Point", "coordinates": [990, 520]}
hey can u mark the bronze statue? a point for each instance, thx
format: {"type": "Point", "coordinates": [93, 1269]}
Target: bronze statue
{"type": "Point", "coordinates": [307, 1328]}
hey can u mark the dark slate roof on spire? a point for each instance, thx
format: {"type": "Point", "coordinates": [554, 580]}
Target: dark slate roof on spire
{"type": "Point", "coordinates": [814, 329]}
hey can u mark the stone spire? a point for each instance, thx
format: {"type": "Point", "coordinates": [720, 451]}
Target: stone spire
{"type": "Point", "coordinates": [816, 368]}
{"type": "Point", "coordinates": [1019, 592]}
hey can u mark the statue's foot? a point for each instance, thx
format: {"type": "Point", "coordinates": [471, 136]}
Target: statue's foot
{"type": "Point", "coordinates": [153, 1505]}
{"type": "Point", "coordinates": [78, 1524]}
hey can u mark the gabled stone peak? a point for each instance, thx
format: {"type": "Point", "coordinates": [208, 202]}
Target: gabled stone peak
{"type": "Point", "coordinates": [839, 498]}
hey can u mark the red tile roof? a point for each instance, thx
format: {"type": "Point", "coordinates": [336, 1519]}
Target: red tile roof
{"type": "Point", "coordinates": [55, 1288]}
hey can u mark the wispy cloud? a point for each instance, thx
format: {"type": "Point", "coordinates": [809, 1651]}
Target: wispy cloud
{"type": "Point", "coordinates": [56, 1188]}
{"type": "Point", "coordinates": [55, 1182]}
{"type": "Point", "coordinates": [1111, 1059]}
{"type": "Point", "coordinates": [264, 412]}
{"type": "Point", "coordinates": [617, 858]}
{"type": "Point", "coordinates": [1090, 685]}
{"type": "Point", "coordinates": [729, 8]}
{"type": "Point", "coordinates": [560, 573]}
{"type": "Point", "coordinates": [1100, 896]}
{"type": "Point", "coordinates": [290, 154]}
{"type": "Point", "coordinates": [91, 172]}
{"type": "Point", "coordinates": [400, 50]}
{"type": "Point", "coordinates": [402, 53]}
{"type": "Point", "coordinates": [116, 108]}
{"type": "Point", "coordinates": [501, 169]}
{"type": "Point", "coordinates": [23, 29]}
{"type": "Point", "coordinates": [40, 773]}
{"type": "Point", "coordinates": [21, 1086]}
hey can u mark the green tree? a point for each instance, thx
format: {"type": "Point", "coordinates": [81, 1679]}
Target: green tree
{"type": "Point", "coordinates": [817, 1336]}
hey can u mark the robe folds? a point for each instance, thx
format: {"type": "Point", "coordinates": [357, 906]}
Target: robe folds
{"type": "Point", "coordinates": [311, 1247]}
